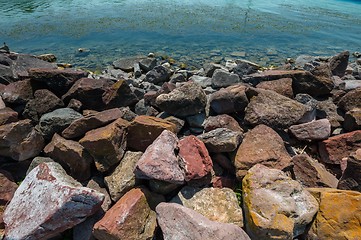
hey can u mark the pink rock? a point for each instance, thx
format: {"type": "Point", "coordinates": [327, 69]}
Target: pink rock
{"type": "Point", "coordinates": [198, 163]}
{"type": "Point", "coordinates": [312, 131]}
{"type": "Point", "coordinates": [48, 202]}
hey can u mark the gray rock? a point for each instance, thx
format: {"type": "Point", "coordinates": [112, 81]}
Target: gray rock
{"type": "Point", "coordinates": [209, 69]}
{"type": "Point", "coordinates": [312, 131]}
{"type": "Point", "coordinates": [221, 140]}
{"type": "Point", "coordinates": [202, 81]}
{"type": "Point", "coordinates": [328, 109]}
{"type": "Point", "coordinates": [158, 75]}
{"type": "Point", "coordinates": [339, 63]}
{"type": "Point", "coordinates": [222, 78]}
{"type": "Point", "coordinates": [147, 64]}
{"type": "Point", "coordinates": [126, 64]}
{"type": "Point", "coordinates": [352, 120]}
{"type": "Point", "coordinates": [36, 162]}
{"type": "Point", "coordinates": [196, 120]}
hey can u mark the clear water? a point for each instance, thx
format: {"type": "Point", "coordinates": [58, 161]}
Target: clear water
{"type": "Point", "coordinates": [191, 31]}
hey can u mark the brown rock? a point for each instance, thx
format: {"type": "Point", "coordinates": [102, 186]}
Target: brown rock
{"type": "Point", "coordinates": [338, 63]}
{"type": "Point", "coordinates": [106, 144]}
{"type": "Point", "coordinates": [221, 121]}
{"type": "Point", "coordinates": [312, 131]}
{"type": "Point", "coordinates": [2, 104]}
{"type": "Point", "coordinates": [350, 100]}
{"type": "Point", "coordinates": [71, 155]}
{"type": "Point", "coordinates": [229, 100]}
{"type": "Point", "coordinates": [130, 218]}
{"type": "Point", "coordinates": [7, 187]}
{"type": "Point", "coordinates": [119, 95]}
{"type": "Point", "coordinates": [334, 149]}
{"type": "Point", "coordinates": [7, 115]}
{"type": "Point", "coordinates": [143, 130]}
{"type": "Point", "coordinates": [261, 145]}
{"type": "Point", "coordinates": [351, 177]}
{"type": "Point", "coordinates": [352, 120]}
{"type": "Point", "coordinates": [327, 109]}
{"type": "Point", "coordinates": [281, 86]}
{"type": "Point", "coordinates": [19, 92]}
{"type": "Point", "coordinates": [198, 163]}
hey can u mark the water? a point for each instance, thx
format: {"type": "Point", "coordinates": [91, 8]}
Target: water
{"type": "Point", "coordinates": [190, 31]}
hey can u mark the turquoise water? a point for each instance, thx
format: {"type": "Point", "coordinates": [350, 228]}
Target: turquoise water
{"type": "Point", "coordinates": [189, 31]}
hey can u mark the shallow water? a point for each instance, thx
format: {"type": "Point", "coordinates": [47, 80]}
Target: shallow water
{"type": "Point", "coordinates": [263, 31]}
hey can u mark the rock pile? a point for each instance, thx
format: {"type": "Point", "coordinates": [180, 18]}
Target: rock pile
{"type": "Point", "coordinates": [147, 150]}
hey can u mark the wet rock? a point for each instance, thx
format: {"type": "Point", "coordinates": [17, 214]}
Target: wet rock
{"type": "Point", "coordinates": [106, 144]}
{"type": "Point", "coordinates": [160, 161]}
{"type": "Point", "coordinates": [130, 218]}
{"type": "Point", "coordinates": [339, 214]}
{"type": "Point", "coordinates": [350, 100]}
{"type": "Point", "coordinates": [222, 78]}
{"type": "Point", "coordinates": [181, 223]}
{"type": "Point", "coordinates": [58, 81]}
{"type": "Point", "coordinates": [147, 64]}
{"type": "Point", "coordinates": [281, 86]}
{"type": "Point", "coordinates": [44, 101]}
{"type": "Point", "coordinates": [34, 213]}
{"type": "Point", "coordinates": [19, 92]}
{"type": "Point", "coordinates": [122, 179]}
{"type": "Point", "coordinates": [186, 100]}
{"type": "Point", "coordinates": [220, 205]}
{"type": "Point", "coordinates": [261, 145]}
{"type": "Point", "coordinates": [158, 75]}
{"type": "Point", "coordinates": [36, 162]}
{"type": "Point", "coordinates": [221, 140]}
{"type": "Point", "coordinates": [126, 64]}
{"type": "Point", "coordinates": [276, 207]}
{"type": "Point", "coordinates": [143, 130]}
{"type": "Point", "coordinates": [351, 177]}
{"type": "Point", "coordinates": [312, 131]}
{"type": "Point", "coordinates": [82, 125]}
{"type": "Point", "coordinates": [20, 141]}
{"type": "Point", "coordinates": [229, 100]}
{"type": "Point", "coordinates": [274, 110]}
{"type": "Point", "coordinates": [334, 149]}
{"type": "Point", "coordinates": [56, 121]}
{"type": "Point", "coordinates": [310, 173]}
{"type": "Point", "coordinates": [7, 115]}
{"type": "Point", "coordinates": [71, 155]}
{"type": "Point", "coordinates": [221, 121]}
{"type": "Point", "coordinates": [198, 163]}
{"type": "Point", "coordinates": [119, 95]}
{"type": "Point", "coordinates": [338, 63]}
{"type": "Point", "coordinates": [352, 120]}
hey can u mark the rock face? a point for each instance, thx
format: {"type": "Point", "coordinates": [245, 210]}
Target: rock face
{"type": "Point", "coordinates": [220, 205]}
{"type": "Point", "coordinates": [48, 202]}
{"type": "Point", "coordinates": [261, 145]}
{"type": "Point", "coordinates": [222, 78]}
{"type": "Point", "coordinates": [351, 177]}
{"type": "Point", "coordinates": [107, 144]}
{"type": "Point", "coordinates": [20, 141]}
{"type": "Point", "coordinates": [130, 218]}
{"type": "Point", "coordinates": [276, 207]}
{"type": "Point", "coordinates": [274, 110]}
{"type": "Point", "coordinates": [229, 100]}
{"type": "Point", "coordinates": [312, 131]}
{"type": "Point", "coordinates": [186, 100]}
{"type": "Point", "coordinates": [221, 140]}
{"type": "Point", "coordinates": [181, 223]}
{"type": "Point", "coordinates": [331, 222]}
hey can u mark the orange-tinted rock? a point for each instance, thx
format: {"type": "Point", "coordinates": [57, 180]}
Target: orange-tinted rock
{"type": "Point", "coordinates": [221, 121]}
{"type": "Point", "coordinates": [143, 130]}
{"type": "Point", "coordinates": [106, 144]}
{"type": "Point", "coordinates": [7, 115]}
{"type": "Point", "coordinates": [261, 145]}
{"type": "Point", "coordinates": [198, 163]}
{"type": "Point", "coordinates": [351, 177]}
{"type": "Point", "coordinates": [312, 131]}
{"type": "Point", "coordinates": [130, 218]}
{"type": "Point", "coordinates": [281, 86]}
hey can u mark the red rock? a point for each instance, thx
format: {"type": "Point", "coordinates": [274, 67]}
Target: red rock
{"type": "Point", "coordinates": [198, 163]}
{"type": "Point", "coordinates": [312, 131]}
{"type": "Point", "coordinates": [334, 149]}
{"type": "Point", "coordinates": [119, 95]}
{"type": "Point", "coordinates": [281, 86]}
{"type": "Point", "coordinates": [19, 92]}
{"type": "Point", "coordinates": [221, 121]}
{"type": "Point", "coordinates": [130, 218]}
{"type": "Point", "coordinates": [7, 115]}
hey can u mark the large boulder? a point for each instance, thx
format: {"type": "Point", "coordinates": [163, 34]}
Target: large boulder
{"type": "Point", "coordinates": [229, 100]}
{"type": "Point", "coordinates": [276, 207]}
{"type": "Point", "coordinates": [47, 203]}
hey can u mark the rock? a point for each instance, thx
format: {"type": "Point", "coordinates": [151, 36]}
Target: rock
{"type": "Point", "coordinates": [119, 95]}
{"type": "Point", "coordinates": [106, 144]}
{"type": "Point", "coordinates": [147, 64]}
{"type": "Point", "coordinates": [7, 115]}
{"type": "Point", "coordinates": [44, 101]}
{"type": "Point", "coordinates": [196, 121]}
{"type": "Point", "coordinates": [143, 130]}
{"type": "Point", "coordinates": [57, 201]}
{"type": "Point", "coordinates": [71, 155]}
{"type": "Point", "coordinates": [58, 81]}
{"type": "Point", "coordinates": [194, 153]}
{"type": "Point", "coordinates": [327, 109]}
{"type": "Point", "coordinates": [274, 110]}
{"type": "Point", "coordinates": [220, 205]}
{"type": "Point", "coordinates": [160, 161]}
{"type": "Point", "coordinates": [310, 173]}
{"type": "Point", "coordinates": [56, 121]}
{"type": "Point", "coordinates": [281, 86]}
{"type": "Point", "coordinates": [334, 149]}
{"type": "Point", "coordinates": [180, 223]}
{"type": "Point", "coordinates": [222, 78]}
{"type": "Point", "coordinates": [245, 67]}
{"type": "Point", "coordinates": [276, 207]}
{"type": "Point", "coordinates": [122, 179]}
{"type": "Point", "coordinates": [221, 140]}
{"type": "Point", "coordinates": [350, 100]}
{"type": "Point", "coordinates": [84, 230]}
{"type": "Point", "coordinates": [20, 141]}
{"type": "Point", "coordinates": [126, 64]}
{"type": "Point", "coordinates": [75, 104]}
{"type": "Point", "coordinates": [161, 187]}
{"type": "Point", "coordinates": [338, 63]}
{"type": "Point", "coordinates": [130, 218]}
{"type": "Point", "coordinates": [36, 162]}
{"type": "Point", "coordinates": [352, 120]}
{"type": "Point", "coordinates": [48, 57]}
{"type": "Point", "coordinates": [97, 184]}
{"type": "Point", "coordinates": [349, 85]}
{"type": "Point", "coordinates": [7, 189]}
{"type": "Point", "coordinates": [221, 121]}
{"type": "Point", "coordinates": [339, 214]}
{"type": "Point", "coordinates": [351, 177]}
{"type": "Point", "coordinates": [82, 125]}
{"type": "Point", "coordinates": [179, 123]}
{"type": "Point", "coordinates": [261, 145]}
{"type": "Point", "coordinates": [202, 81]}
{"type": "Point", "coordinates": [2, 104]}
{"type": "Point", "coordinates": [209, 69]}
{"type": "Point", "coordinates": [19, 92]}
{"type": "Point", "coordinates": [186, 100]}
{"type": "Point", "coordinates": [312, 131]}
{"type": "Point", "coordinates": [229, 100]}
{"type": "Point", "coordinates": [158, 75]}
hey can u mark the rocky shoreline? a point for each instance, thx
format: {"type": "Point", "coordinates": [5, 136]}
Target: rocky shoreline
{"type": "Point", "coordinates": [148, 149]}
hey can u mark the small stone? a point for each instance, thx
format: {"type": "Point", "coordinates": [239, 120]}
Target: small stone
{"type": "Point", "coordinates": [222, 78]}
{"type": "Point", "coordinates": [312, 131]}
{"type": "Point", "coordinates": [229, 100]}
{"type": "Point", "coordinates": [221, 140]}
{"type": "Point", "coordinates": [76, 105]}
{"type": "Point", "coordinates": [221, 121]}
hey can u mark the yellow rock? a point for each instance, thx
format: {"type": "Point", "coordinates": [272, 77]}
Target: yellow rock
{"type": "Point", "coordinates": [339, 216]}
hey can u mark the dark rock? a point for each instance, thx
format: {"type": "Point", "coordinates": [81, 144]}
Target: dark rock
{"type": "Point", "coordinates": [339, 63]}
{"type": "Point", "coordinates": [222, 78]}
{"type": "Point", "coordinates": [350, 100]}
{"type": "Point", "coordinates": [281, 86]}
{"type": "Point", "coordinates": [352, 120]}
{"type": "Point", "coordinates": [158, 75]}
{"type": "Point", "coordinates": [119, 95]}
{"type": "Point", "coordinates": [327, 109]}
{"type": "Point", "coordinates": [221, 121]}
{"type": "Point", "coordinates": [7, 115]}
{"type": "Point", "coordinates": [221, 140]}
{"type": "Point", "coordinates": [75, 104]}
{"type": "Point", "coordinates": [202, 81]}
{"type": "Point", "coordinates": [351, 177]}
{"type": "Point", "coordinates": [126, 64]}
{"type": "Point", "coordinates": [147, 64]}
{"type": "Point", "coordinates": [312, 131]}
{"type": "Point", "coordinates": [229, 100]}
{"type": "Point", "coordinates": [245, 67]}
{"type": "Point", "coordinates": [196, 120]}
{"type": "Point", "coordinates": [19, 92]}
{"type": "Point", "coordinates": [209, 69]}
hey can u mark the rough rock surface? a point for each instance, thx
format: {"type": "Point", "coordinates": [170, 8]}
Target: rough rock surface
{"type": "Point", "coordinates": [352, 120]}
{"type": "Point", "coordinates": [222, 78]}
{"type": "Point", "coordinates": [221, 121]}
{"type": "Point", "coordinates": [7, 115]}
{"type": "Point", "coordinates": [261, 145]}
{"type": "Point", "coordinates": [350, 100]}
{"type": "Point", "coordinates": [119, 94]}
{"type": "Point", "coordinates": [276, 207]}
{"type": "Point", "coordinates": [229, 100]}
{"type": "Point", "coordinates": [312, 131]}
{"type": "Point", "coordinates": [221, 140]}
{"type": "Point", "coordinates": [48, 202]}
{"type": "Point", "coordinates": [220, 205]}
{"type": "Point", "coordinates": [180, 223]}
{"type": "Point", "coordinates": [19, 92]}
{"type": "Point", "coordinates": [351, 177]}
{"type": "Point", "coordinates": [338, 63]}
{"type": "Point", "coordinates": [281, 86]}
